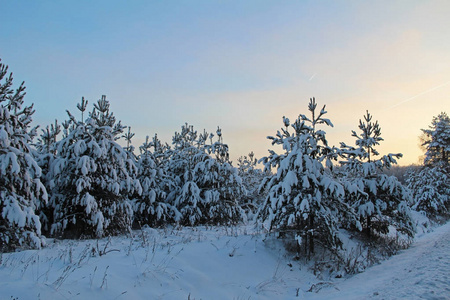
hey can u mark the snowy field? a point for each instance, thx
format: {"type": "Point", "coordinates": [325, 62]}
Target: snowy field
{"type": "Point", "coordinates": [213, 263]}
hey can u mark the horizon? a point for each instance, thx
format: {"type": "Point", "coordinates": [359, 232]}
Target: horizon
{"type": "Point", "coordinates": [239, 66]}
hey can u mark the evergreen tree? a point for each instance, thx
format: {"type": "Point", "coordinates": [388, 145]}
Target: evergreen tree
{"type": "Point", "coordinates": [45, 154]}
{"type": "Point", "coordinates": [21, 191]}
{"type": "Point", "coordinates": [151, 207]}
{"type": "Point", "coordinates": [185, 155]}
{"type": "Point", "coordinates": [92, 176]}
{"type": "Point", "coordinates": [304, 201]}
{"type": "Point", "coordinates": [220, 183]}
{"type": "Point", "coordinates": [430, 187]}
{"type": "Point", "coordinates": [251, 179]}
{"type": "Point", "coordinates": [431, 184]}
{"type": "Point", "coordinates": [437, 141]}
{"type": "Point", "coordinates": [379, 200]}
{"type": "Point", "coordinates": [208, 187]}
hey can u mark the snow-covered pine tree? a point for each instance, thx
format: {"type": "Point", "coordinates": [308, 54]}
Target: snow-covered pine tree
{"type": "Point", "coordinates": [437, 141]}
{"type": "Point", "coordinates": [186, 153]}
{"type": "Point", "coordinates": [251, 178]}
{"type": "Point", "coordinates": [430, 185]}
{"type": "Point", "coordinates": [380, 201]}
{"type": "Point", "coordinates": [220, 184]}
{"type": "Point", "coordinates": [45, 154]}
{"type": "Point", "coordinates": [208, 187]}
{"type": "Point", "coordinates": [304, 201]}
{"type": "Point", "coordinates": [151, 207]}
{"type": "Point", "coordinates": [92, 177]}
{"type": "Point", "coordinates": [21, 190]}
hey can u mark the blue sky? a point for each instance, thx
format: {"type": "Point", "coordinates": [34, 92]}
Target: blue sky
{"type": "Point", "coordinates": [240, 65]}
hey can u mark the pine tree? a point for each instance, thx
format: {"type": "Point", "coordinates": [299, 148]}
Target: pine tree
{"type": "Point", "coordinates": [430, 187]}
{"type": "Point", "coordinates": [151, 206]}
{"type": "Point", "coordinates": [251, 179]}
{"type": "Point", "coordinates": [92, 176]}
{"type": "Point", "coordinates": [21, 191]}
{"type": "Point", "coordinates": [437, 141]}
{"type": "Point", "coordinates": [304, 201]}
{"type": "Point", "coordinates": [379, 200]}
{"type": "Point", "coordinates": [208, 187]}
{"type": "Point", "coordinates": [220, 183]}
{"type": "Point", "coordinates": [431, 184]}
{"type": "Point", "coordinates": [185, 155]}
{"type": "Point", "coordinates": [45, 154]}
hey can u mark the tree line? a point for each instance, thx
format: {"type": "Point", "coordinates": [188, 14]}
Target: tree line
{"type": "Point", "coordinates": [74, 180]}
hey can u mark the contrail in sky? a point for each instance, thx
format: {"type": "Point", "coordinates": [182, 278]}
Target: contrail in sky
{"type": "Point", "coordinates": [419, 94]}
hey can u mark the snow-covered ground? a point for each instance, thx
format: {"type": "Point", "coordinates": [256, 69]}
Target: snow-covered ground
{"type": "Point", "coordinates": [420, 272]}
{"type": "Point", "coordinates": [212, 263]}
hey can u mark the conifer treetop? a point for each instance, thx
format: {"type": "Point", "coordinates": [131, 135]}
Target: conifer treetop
{"type": "Point", "coordinates": [437, 143]}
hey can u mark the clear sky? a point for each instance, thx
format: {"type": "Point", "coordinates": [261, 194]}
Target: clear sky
{"type": "Point", "coordinates": [240, 65]}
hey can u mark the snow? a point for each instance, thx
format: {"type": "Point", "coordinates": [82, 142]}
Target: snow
{"type": "Point", "coordinates": [289, 181]}
{"type": "Point", "coordinates": [4, 136]}
{"type": "Point", "coordinates": [213, 263]}
{"type": "Point", "coordinates": [420, 272]}
{"type": "Point", "coordinates": [14, 213]}
{"type": "Point", "coordinates": [12, 159]}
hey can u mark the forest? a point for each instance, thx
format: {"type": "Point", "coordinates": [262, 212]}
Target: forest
{"type": "Point", "coordinates": [74, 180]}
